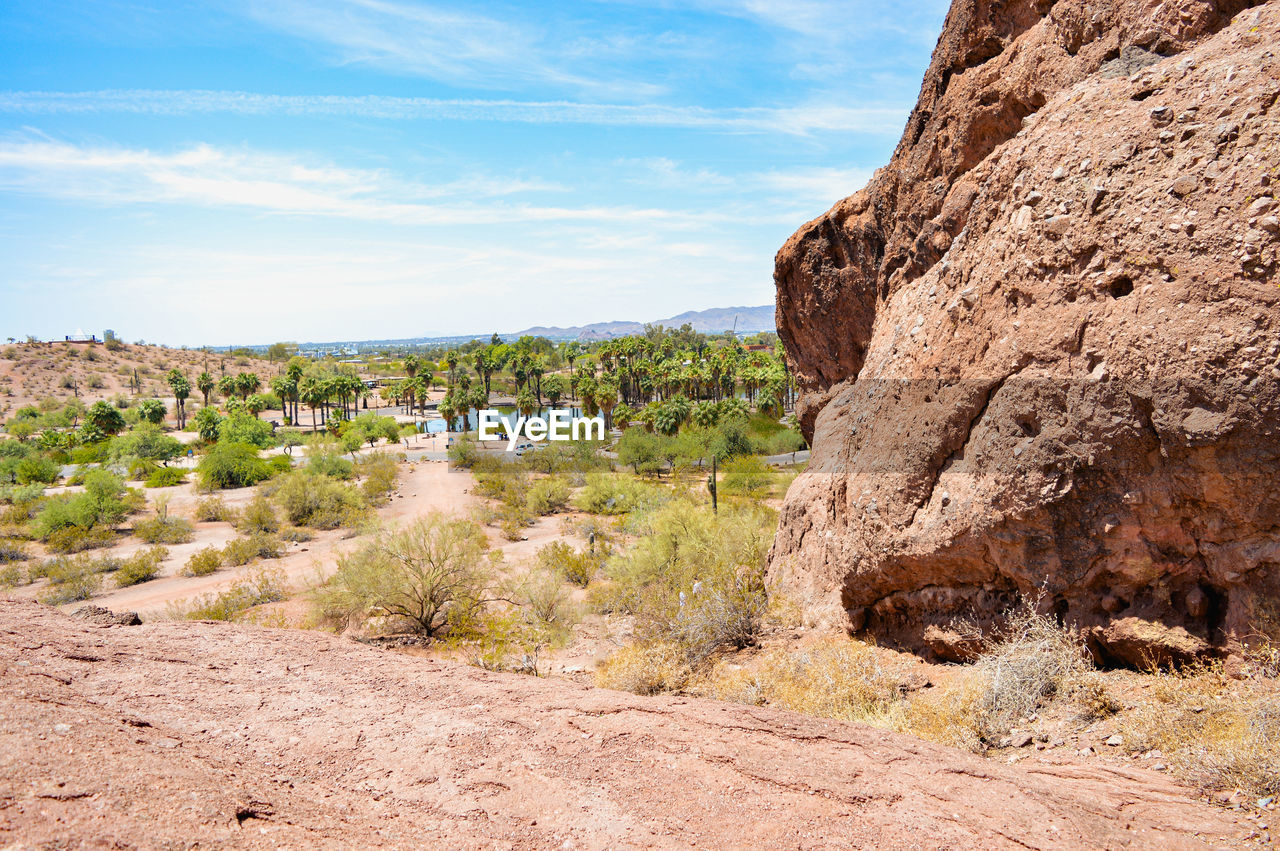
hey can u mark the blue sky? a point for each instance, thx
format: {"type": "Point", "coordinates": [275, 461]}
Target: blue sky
{"type": "Point", "coordinates": [245, 171]}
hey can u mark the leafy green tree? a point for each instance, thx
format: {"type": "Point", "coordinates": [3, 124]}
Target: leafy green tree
{"type": "Point", "coordinates": [147, 441]}
{"type": "Point", "coordinates": [640, 450]}
{"type": "Point", "coordinates": [243, 427]}
{"type": "Point", "coordinates": [232, 465]}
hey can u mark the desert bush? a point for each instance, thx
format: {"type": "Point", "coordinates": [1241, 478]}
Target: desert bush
{"type": "Point", "coordinates": [76, 539]}
{"type": "Point", "coordinates": [547, 496]}
{"type": "Point", "coordinates": [746, 475]}
{"type": "Point", "coordinates": [258, 588]}
{"type": "Point", "coordinates": [318, 501]}
{"type": "Point", "coordinates": [203, 562]}
{"type": "Point", "coordinates": [327, 457]}
{"type": "Point", "coordinates": [612, 493]}
{"type": "Point", "coordinates": [12, 576]}
{"type": "Point", "coordinates": [166, 477]}
{"type": "Point", "coordinates": [163, 529]}
{"type": "Point", "coordinates": [247, 548]}
{"type": "Point", "coordinates": [258, 516]}
{"type": "Point", "coordinates": [12, 550]}
{"type": "Point", "coordinates": [646, 668]}
{"type": "Point", "coordinates": [836, 678]}
{"type": "Point", "coordinates": [429, 574]}
{"type": "Point", "coordinates": [578, 567]}
{"type": "Point", "coordinates": [464, 453]}
{"type": "Point", "coordinates": [36, 469]}
{"type": "Point", "coordinates": [232, 465]}
{"type": "Point", "coordinates": [296, 534]}
{"type": "Point", "coordinates": [102, 504]}
{"type": "Point", "coordinates": [214, 508]}
{"type": "Point", "coordinates": [145, 441]}
{"type": "Point", "coordinates": [242, 427]}
{"type": "Point", "coordinates": [142, 566]}
{"type": "Point", "coordinates": [73, 578]}
{"type": "Point", "coordinates": [278, 464]}
{"type": "Point", "coordinates": [1031, 659]}
{"type": "Point", "coordinates": [379, 472]}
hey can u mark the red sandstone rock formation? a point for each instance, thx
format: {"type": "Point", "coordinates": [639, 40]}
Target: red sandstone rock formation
{"type": "Point", "coordinates": [1040, 351]}
{"type": "Point", "coordinates": [178, 734]}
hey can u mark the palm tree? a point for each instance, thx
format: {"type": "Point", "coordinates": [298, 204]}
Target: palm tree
{"type": "Point", "coordinates": [607, 397]}
{"type": "Point", "coordinates": [286, 388]}
{"type": "Point", "coordinates": [555, 389]}
{"type": "Point", "coordinates": [247, 383]}
{"type": "Point", "coordinates": [206, 385]}
{"type": "Point", "coordinates": [526, 403]}
{"type": "Point", "coordinates": [181, 390]}
{"type": "Point", "coordinates": [227, 386]}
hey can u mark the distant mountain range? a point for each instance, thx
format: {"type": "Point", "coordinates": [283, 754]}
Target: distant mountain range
{"type": "Point", "coordinates": [711, 321]}
{"type": "Point", "coordinates": [746, 320]}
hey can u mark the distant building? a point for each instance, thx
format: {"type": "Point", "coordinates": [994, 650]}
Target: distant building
{"type": "Point", "coordinates": [81, 337]}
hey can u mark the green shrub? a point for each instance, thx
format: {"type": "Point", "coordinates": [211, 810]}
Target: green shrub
{"type": "Point", "coordinates": [379, 471]}
{"type": "Point", "coordinates": [214, 509]}
{"type": "Point", "coordinates": [12, 550]}
{"type": "Point", "coordinates": [258, 516]}
{"type": "Point", "coordinates": [243, 550]}
{"type": "Point", "coordinates": [203, 562]}
{"type": "Point", "coordinates": [747, 475]}
{"type": "Point", "coordinates": [73, 578]}
{"type": "Point", "coordinates": [464, 453]}
{"type": "Point", "coordinates": [75, 539]}
{"type": "Point", "coordinates": [318, 501]}
{"type": "Point", "coordinates": [103, 503]}
{"type": "Point", "coordinates": [163, 529]}
{"type": "Point", "coordinates": [548, 496]}
{"type": "Point", "coordinates": [327, 457]}
{"type": "Point", "coordinates": [166, 477]}
{"type": "Point", "coordinates": [243, 427]}
{"type": "Point", "coordinates": [578, 567]}
{"type": "Point", "coordinates": [260, 587]}
{"type": "Point", "coordinates": [612, 493]}
{"type": "Point", "coordinates": [429, 574]}
{"type": "Point", "coordinates": [36, 468]}
{"type": "Point", "coordinates": [142, 566]}
{"type": "Point", "coordinates": [146, 441]}
{"type": "Point", "coordinates": [232, 465]}
{"type": "Point", "coordinates": [279, 464]}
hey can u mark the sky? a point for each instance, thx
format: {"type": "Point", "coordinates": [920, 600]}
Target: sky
{"type": "Point", "coordinates": [252, 171]}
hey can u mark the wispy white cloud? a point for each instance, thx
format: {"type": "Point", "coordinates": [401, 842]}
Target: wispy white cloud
{"type": "Point", "coordinates": [276, 184]}
{"type": "Point", "coordinates": [456, 47]}
{"type": "Point", "coordinates": [868, 118]}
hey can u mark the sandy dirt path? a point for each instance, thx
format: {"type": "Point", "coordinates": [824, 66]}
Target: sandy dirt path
{"type": "Point", "coordinates": [424, 487]}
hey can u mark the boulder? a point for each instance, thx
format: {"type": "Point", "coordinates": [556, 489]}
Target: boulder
{"type": "Point", "coordinates": [1074, 398]}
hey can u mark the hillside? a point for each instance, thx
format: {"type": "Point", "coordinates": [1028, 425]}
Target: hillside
{"type": "Point", "coordinates": [150, 736]}
{"type": "Point", "coordinates": [30, 372]}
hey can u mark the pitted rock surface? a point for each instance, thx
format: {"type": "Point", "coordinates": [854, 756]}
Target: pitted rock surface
{"type": "Point", "coordinates": [1040, 351]}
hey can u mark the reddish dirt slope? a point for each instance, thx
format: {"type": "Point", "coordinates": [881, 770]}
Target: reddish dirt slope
{"type": "Point", "coordinates": [166, 734]}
